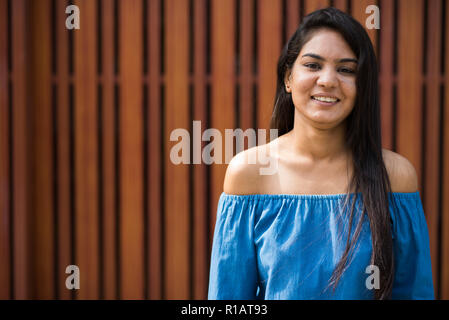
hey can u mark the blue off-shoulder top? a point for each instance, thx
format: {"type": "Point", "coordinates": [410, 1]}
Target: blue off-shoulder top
{"type": "Point", "coordinates": [286, 247]}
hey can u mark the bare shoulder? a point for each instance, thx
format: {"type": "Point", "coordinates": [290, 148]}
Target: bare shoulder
{"type": "Point", "coordinates": [242, 174]}
{"type": "Point", "coordinates": [402, 173]}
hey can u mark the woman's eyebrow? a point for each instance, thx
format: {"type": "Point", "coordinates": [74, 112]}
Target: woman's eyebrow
{"type": "Point", "coordinates": [315, 56]}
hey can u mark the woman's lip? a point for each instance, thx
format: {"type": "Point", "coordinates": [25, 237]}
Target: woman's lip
{"type": "Point", "coordinates": [323, 103]}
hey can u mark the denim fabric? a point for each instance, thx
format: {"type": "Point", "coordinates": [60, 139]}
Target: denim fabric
{"type": "Point", "coordinates": [287, 246]}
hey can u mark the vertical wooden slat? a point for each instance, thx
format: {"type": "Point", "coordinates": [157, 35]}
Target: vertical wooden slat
{"type": "Point", "coordinates": [177, 176]}
{"type": "Point", "coordinates": [5, 245]}
{"type": "Point", "coordinates": [270, 27]}
{"type": "Point", "coordinates": [432, 145]}
{"type": "Point", "coordinates": [154, 149]}
{"type": "Point", "coordinates": [109, 272]}
{"type": "Point", "coordinates": [312, 5]}
{"type": "Point", "coordinates": [41, 151]}
{"type": "Point", "coordinates": [386, 72]}
{"type": "Point", "coordinates": [246, 66]}
{"type": "Point", "coordinates": [409, 124]}
{"type": "Point", "coordinates": [445, 183]}
{"type": "Point", "coordinates": [86, 153]}
{"type": "Point", "coordinates": [292, 18]}
{"type": "Point", "coordinates": [358, 12]}
{"type": "Point", "coordinates": [223, 88]}
{"type": "Point", "coordinates": [341, 4]}
{"type": "Point", "coordinates": [199, 227]}
{"type": "Point", "coordinates": [20, 152]}
{"type": "Point", "coordinates": [63, 150]}
{"type": "Point", "coordinates": [131, 151]}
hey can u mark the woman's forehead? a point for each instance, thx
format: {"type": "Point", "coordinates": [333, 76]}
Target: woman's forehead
{"type": "Point", "coordinates": [329, 44]}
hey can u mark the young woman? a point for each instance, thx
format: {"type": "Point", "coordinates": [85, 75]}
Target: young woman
{"type": "Point", "coordinates": [341, 218]}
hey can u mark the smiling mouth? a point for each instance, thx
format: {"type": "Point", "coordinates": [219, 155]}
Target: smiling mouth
{"type": "Point", "coordinates": [325, 99]}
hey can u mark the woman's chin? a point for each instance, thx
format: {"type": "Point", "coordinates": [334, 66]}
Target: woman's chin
{"type": "Point", "coordinates": [325, 122]}
{"type": "Point", "coordinates": [322, 119]}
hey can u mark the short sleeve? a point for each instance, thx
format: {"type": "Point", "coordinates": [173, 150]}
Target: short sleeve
{"type": "Point", "coordinates": [413, 270]}
{"type": "Point", "coordinates": [233, 269]}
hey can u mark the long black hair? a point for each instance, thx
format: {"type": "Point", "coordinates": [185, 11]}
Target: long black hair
{"type": "Point", "coordinates": [363, 138]}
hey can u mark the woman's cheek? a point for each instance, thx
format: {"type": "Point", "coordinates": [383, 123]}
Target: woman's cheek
{"type": "Point", "coordinates": [349, 87]}
{"type": "Point", "coordinates": [304, 87]}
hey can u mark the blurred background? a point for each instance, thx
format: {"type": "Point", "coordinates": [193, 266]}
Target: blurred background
{"type": "Point", "coordinates": [86, 116]}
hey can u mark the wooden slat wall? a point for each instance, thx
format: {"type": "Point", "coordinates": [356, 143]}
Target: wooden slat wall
{"type": "Point", "coordinates": [109, 238]}
{"type": "Point", "coordinates": [86, 117]}
{"type": "Point", "coordinates": [86, 151]}
{"type": "Point", "coordinates": [6, 275]}
{"type": "Point", "coordinates": [444, 176]}
{"type": "Point", "coordinates": [269, 40]}
{"type": "Point", "coordinates": [431, 139]}
{"type": "Point", "coordinates": [200, 213]}
{"type": "Point", "coordinates": [387, 74]}
{"type": "Point", "coordinates": [63, 151]}
{"type": "Point", "coordinates": [358, 12]}
{"type": "Point", "coordinates": [20, 152]}
{"type": "Point", "coordinates": [41, 151]}
{"type": "Point", "coordinates": [312, 5]}
{"type": "Point", "coordinates": [131, 147]}
{"type": "Point", "coordinates": [222, 111]}
{"type": "Point", "coordinates": [177, 230]}
{"type": "Point", "coordinates": [247, 58]}
{"type": "Point", "coordinates": [153, 135]}
{"type": "Point", "coordinates": [409, 106]}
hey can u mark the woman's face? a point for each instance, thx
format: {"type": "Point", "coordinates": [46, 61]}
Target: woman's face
{"type": "Point", "coordinates": [322, 81]}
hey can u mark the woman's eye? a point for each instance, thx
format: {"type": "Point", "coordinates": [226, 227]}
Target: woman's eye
{"type": "Point", "coordinates": [316, 66]}
{"type": "Point", "coordinates": [346, 70]}
{"type": "Point", "coordinates": [313, 66]}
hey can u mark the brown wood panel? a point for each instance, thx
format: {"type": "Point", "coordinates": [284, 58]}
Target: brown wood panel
{"type": "Point", "coordinates": [270, 27]}
{"type": "Point", "coordinates": [41, 151]}
{"type": "Point", "coordinates": [154, 149]}
{"type": "Point", "coordinates": [246, 64]}
{"type": "Point", "coordinates": [292, 18]}
{"type": "Point", "coordinates": [341, 4]}
{"type": "Point", "coordinates": [386, 72]}
{"type": "Point", "coordinates": [181, 270]}
{"type": "Point", "coordinates": [409, 112]}
{"type": "Point", "coordinates": [199, 228]}
{"type": "Point", "coordinates": [358, 12]}
{"type": "Point", "coordinates": [109, 272]}
{"type": "Point", "coordinates": [21, 229]}
{"type": "Point", "coordinates": [430, 190]}
{"type": "Point", "coordinates": [5, 245]}
{"type": "Point", "coordinates": [177, 201]}
{"type": "Point", "coordinates": [444, 264]}
{"type": "Point", "coordinates": [131, 151]}
{"type": "Point", "coordinates": [63, 152]}
{"type": "Point", "coordinates": [86, 152]}
{"type": "Point", "coordinates": [312, 5]}
{"type": "Point", "coordinates": [223, 89]}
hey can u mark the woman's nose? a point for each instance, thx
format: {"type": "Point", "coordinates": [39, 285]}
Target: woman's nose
{"type": "Point", "coordinates": [327, 78]}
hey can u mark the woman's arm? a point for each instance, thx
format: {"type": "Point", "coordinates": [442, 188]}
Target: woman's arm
{"type": "Point", "coordinates": [233, 270]}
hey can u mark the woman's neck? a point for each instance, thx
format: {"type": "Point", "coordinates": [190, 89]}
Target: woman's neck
{"type": "Point", "coordinates": [317, 144]}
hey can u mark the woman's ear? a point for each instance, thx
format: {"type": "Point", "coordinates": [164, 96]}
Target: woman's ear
{"type": "Point", "coordinates": [287, 78]}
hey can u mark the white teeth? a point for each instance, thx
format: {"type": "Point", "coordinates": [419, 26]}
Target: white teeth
{"type": "Point", "coordinates": [325, 99]}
